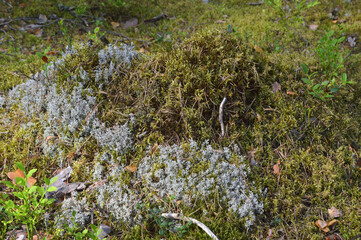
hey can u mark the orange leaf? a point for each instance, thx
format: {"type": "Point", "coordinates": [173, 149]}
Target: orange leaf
{"type": "Point", "coordinates": [322, 225]}
{"type": "Point", "coordinates": [21, 174]}
{"type": "Point", "coordinates": [276, 168]}
{"type": "Point", "coordinates": [31, 181]}
{"type": "Point", "coordinates": [332, 223]}
{"type": "Point", "coordinates": [131, 168]}
{"type": "Point", "coordinates": [17, 173]}
{"type": "Point", "coordinates": [290, 93]}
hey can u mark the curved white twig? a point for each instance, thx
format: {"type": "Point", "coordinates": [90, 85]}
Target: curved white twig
{"type": "Point", "coordinates": [220, 117]}
{"type": "Point", "coordinates": [188, 219]}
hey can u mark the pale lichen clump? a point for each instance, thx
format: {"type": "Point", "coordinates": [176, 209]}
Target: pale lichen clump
{"type": "Point", "coordinates": [201, 171]}
{"type": "Point", "coordinates": [70, 114]}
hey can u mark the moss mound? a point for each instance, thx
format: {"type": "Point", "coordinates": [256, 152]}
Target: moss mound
{"type": "Point", "coordinates": [178, 93]}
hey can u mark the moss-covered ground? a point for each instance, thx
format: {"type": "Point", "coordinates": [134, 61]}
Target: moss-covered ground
{"type": "Point", "coordinates": [303, 150]}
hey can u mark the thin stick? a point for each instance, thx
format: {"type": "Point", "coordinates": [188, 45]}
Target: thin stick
{"type": "Point", "coordinates": [221, 116]}
{"type": "Point", "coordinates": [188, 219]}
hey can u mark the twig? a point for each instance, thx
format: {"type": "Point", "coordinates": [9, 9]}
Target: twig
{"type": "Point", "coordinates": [188, 219]}
{"type": "Point", "coordinates": [221, 116]}
{"type": "Point", "coordinates": [157, 18]}
{"type": "Point", "coordinates": [128, 38]}
{"type": "Point", "coordinates": [5, 2]}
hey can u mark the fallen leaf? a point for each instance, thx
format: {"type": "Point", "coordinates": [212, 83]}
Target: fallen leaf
{"type": "Point", "coordinates": [258, 49]}
{"type": "Point", "coordinates": [115, 25]}
{"type": "Point", "coordinates": [290, 93]}
{"type": "Point", "coordinates": [21, 174]}
{"type": "Point", "coordinates": [334, 212]}
{"type": "Point", "coordinates": [334, 221]}
{"type": "Point", "coordinates": [276, 168]}
{"type": "Point", "coordinates": [131, 168]}
{"type": "Point", "coordinates": [45, 59]}
{"type": "Point", "coordinates": [313, 26]}
{"type": "Point", "coordinates": [22, 5]}
{"type": "Point", "coordinates": [322, 225]}
{"type": "Point", "coordinates": [17, 173]}
{"type": "Point", "coordinates": [259, 118]}
{"type": "Point", "coordinates": [276, 87]}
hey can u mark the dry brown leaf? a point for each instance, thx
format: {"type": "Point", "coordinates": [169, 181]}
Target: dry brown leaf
{"type": "Point", "coordinates": [44, 58]}
{"type": "Point", "coordinates": [17, 173]}
{"type": "Point", "coordinates": [322, 225]}
{"type": "Point", "coordinates": [21, 174]}
{"type": "Point", "coordinates": [334, 212]}
{"type": "Point", "coordinates": [276, 168]}
{"type": "Point", "coordinates": [259, 118]}
{"type": "Point", "coordinates": [115, 25]}
{"type": "Point", "coordinates": [258, 49]}
{"type": "Point", "coordinates": [131, 168]}
{"type": "Point", "coordinates": [290, 93]}
{"type": "Point", "coordinates": [276, 87]}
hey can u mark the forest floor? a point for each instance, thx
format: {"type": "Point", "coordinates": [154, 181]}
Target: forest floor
{"type": "Point", "coordinates": [242, 115]}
